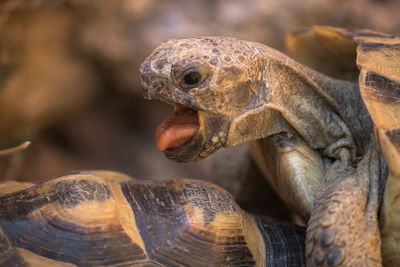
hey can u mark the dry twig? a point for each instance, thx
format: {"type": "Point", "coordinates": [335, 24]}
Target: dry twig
{"type": "Point", "coordinates": [9, 151]}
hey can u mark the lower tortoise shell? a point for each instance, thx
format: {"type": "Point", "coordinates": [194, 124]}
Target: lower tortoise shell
{"type": "Point", "coordinates": [106, 218]}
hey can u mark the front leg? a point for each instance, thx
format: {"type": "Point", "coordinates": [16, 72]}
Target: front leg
{"type": "Point", "coordinates": [293, 169]}
{"type": "Point", "coordinates": [343, 229]}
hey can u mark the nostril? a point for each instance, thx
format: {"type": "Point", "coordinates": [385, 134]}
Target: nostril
{"type": "Point", "coordinates": [159, 84]}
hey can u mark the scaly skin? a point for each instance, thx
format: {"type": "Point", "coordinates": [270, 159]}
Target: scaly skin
{"type": "Point", "coordinates": [250, 92]}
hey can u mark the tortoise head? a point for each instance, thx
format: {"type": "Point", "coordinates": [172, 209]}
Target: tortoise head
{"type": "Point", "coordinates": [210, 81]}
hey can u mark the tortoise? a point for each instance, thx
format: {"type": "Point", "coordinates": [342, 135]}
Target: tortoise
{"type": "Point", "coordinates": [329, 144]}
{"type": "Point", "coordinates": [104, 218]}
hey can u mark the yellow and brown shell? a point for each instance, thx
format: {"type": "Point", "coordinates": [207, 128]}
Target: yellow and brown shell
{"type": "Point", "coordinates": [106, 218]}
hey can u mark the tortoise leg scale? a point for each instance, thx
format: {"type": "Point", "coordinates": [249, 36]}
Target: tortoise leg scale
{"type": "Point", "coordinates": [339, 232]}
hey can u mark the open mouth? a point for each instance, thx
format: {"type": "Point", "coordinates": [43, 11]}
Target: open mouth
{"type": "Point", "coordinates": [175, 131]}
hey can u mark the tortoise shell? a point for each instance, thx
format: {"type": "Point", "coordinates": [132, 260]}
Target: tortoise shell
{"type": "Point", "coordinates": [105, 218]}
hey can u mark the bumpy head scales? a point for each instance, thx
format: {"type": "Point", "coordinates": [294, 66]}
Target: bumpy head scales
{"type": "Point", "coordinates": [190, 71]}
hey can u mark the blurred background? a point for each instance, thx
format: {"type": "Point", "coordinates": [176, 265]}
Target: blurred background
{"type": "Point", "coordinates": [69, 81]}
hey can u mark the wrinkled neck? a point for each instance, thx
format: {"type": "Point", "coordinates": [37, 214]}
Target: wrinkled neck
{"type": "Point", "coordinates": [346, 99]}
{"type": "Point", "coordinates": [327, 112]}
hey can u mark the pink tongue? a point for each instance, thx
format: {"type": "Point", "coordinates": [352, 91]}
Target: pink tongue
{"type": "Point", "coordinates": [176, 130]}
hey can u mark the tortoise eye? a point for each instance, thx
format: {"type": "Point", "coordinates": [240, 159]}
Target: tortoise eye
{"type": "Point", "coordinates": [191, 79]}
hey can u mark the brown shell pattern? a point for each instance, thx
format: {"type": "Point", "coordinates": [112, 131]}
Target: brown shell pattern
{"type": "Point", "coordinates": [107, 218]}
